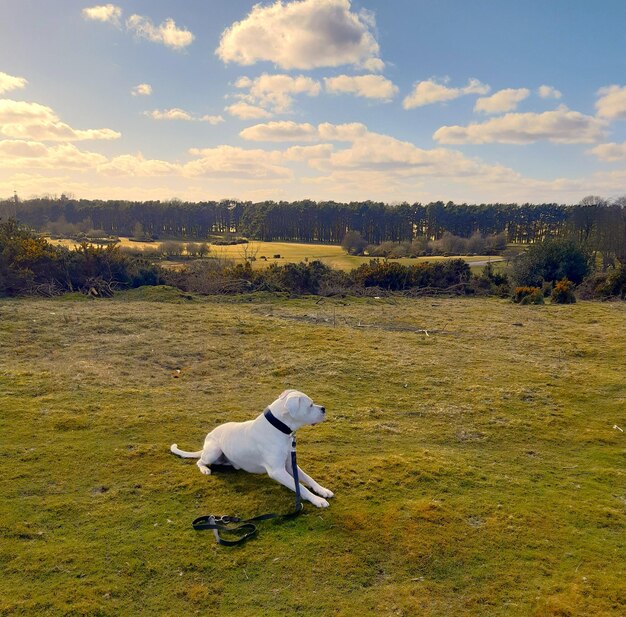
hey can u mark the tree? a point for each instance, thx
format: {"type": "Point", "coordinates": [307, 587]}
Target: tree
{"type": "Point", "coordinates": [353, 243]}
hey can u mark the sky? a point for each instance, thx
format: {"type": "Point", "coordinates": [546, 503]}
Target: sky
{"type": "Point", "coordinates": [475, 101]}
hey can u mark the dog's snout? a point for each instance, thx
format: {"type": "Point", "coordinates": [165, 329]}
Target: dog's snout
{"type": "Point", "coordinates": [323, 409]}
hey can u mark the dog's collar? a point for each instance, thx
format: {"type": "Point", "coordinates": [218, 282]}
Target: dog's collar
{"type": "Point", "coordinates": [276, 423]}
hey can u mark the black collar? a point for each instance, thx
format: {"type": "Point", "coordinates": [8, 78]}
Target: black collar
{"type": "Point", "coordinates": [275, 422]}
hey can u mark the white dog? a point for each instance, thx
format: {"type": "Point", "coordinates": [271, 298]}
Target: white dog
{"type": "Point", "coordinates": [263, 445]}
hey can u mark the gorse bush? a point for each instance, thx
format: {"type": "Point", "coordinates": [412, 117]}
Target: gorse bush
{"type": "Point", "coordinates": [30, 265]}
{"type": "Point", "coordinates": [222, 276]}
{"type": "Point", "coordinates": [605, 285]}
{"type": "Point", "coordinates": [528, 295]}
{"type": "Point", "coordinates": [614, 285]}
{"type": "Point", "coordinates": [393, 276]}
{"type": "Point", "coordinates": [563, 293]}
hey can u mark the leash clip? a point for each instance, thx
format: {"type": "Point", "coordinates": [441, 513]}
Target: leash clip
{"type": "Point", "coordinates": [225, 519]}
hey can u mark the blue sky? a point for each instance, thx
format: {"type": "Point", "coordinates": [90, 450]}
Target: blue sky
{"type": "Point", "coordinates": [475, 101]}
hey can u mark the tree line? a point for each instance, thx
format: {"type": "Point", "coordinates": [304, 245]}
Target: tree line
{"type": "Point", "coordinates": [298, 221]}
{"type": "Point", "coordinates": [595, 221]}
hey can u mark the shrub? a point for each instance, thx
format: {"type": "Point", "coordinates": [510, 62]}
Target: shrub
{"type": "Point", "coordinates": [491, 283]}
{"type": "Point", "coordinates": [396, 277]}
{"type": "Point", "coordinates": [171, 248]}
{"type": "Point", "coordinates": [213, 276]}
{"type": "Point", "coordinates": [551, 260]}
{"type": "Point", "coordinates": [30, 265]}
{"type": "Point", "coordinates": [230, 241]}
{"type": "Point", "coordinates": [563, 293]}
{"type": "Point", "coordinates": [616, 283]}
{"type": "Point", "coordinates": [353, 243]}
{"type": "Point", "coordinates": [301, 278]}
{"type": "Point", "coordinates": [476, 244]}
{"type": "Point", "coordinates": [528, 295]}
{"type": "Point", "coordinates": [604, 285]}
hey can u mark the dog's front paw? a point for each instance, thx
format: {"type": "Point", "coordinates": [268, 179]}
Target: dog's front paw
{"type": "Point", "coordinates": [324, 492]}
{"type": "Point", "coordinates": [319, 502]}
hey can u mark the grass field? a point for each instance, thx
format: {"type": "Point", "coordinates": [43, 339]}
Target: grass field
{"type": "Point", "coordinates": [294, 252]}
{"type": "Point", "coordinates": [477, 470]}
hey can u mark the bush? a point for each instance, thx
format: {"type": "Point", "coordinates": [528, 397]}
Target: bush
{"type": "Point", "coordinates": [491, 283]}
{"type": "Point", "coordinates": [221, 276]}
{"type": "Point", "coordinates": [563, 293]}
{"type": "Point", "coordinates": [230, 241]}
{"type": "Point", "coordinates": [604, 285]}
{"type": "Point", "coordinates": [301, 278]}
{"type": "Point", "coordinates": [353, 243]}
{"type": "Point", "coordinates": [615, 285]}
{"type": "Point", "coordinates": [528, 295]}
{"type": "Point", "coordinates": [551, 260]}
{"type": "Point", "coordinates": [396, 277]}
{"type": "Point", "coordinates": [30, 265]}
{"type": "Point", "coordinates": [213, 276]}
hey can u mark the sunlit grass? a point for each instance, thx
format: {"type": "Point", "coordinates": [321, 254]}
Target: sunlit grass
{"type": "Point", "coordinates": [477, 469]}
{"type": "Point", "coordinates": [290, 252]}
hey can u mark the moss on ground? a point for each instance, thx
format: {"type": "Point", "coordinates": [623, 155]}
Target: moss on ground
{"type": "Point", "coordinates": [477, 469]}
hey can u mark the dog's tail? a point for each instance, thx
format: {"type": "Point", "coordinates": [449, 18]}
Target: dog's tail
{"type": "Point", "coordinates": [174, 450]}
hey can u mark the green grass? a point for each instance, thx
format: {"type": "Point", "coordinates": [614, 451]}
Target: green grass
{"type": "Point", "coordinates": [476, 470]}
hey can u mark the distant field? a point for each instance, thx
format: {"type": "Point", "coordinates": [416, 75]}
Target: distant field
{"type": "Point", "coordinates": [479, 470]}
{"type": "Point", "coordinates": [293, 252]}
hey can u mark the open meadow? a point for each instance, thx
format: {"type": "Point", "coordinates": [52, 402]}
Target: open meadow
{"type": "Point", "coordinates": [266, 253]}
{"type": "Point", "coordinates": [479, 468]}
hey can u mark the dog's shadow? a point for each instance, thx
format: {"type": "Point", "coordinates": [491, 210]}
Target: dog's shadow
{"type": "Point", "coordinates": [240, 482]}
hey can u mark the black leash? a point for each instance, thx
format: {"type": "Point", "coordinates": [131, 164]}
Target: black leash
{"type": "Point", "coordinates": [245, 528]}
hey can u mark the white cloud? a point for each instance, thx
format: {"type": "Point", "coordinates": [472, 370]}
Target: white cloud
{"type": "Point", "coordinates": [612, 102]}
{"type": "Point", "coordinates": [142, 90]}
{"type": "Point", "coordinates": [430, 91]}
{"type": "Point", "coordinates": [374, 151]}
{"type": "Point", "coordinates": [275, 92]}
{"type": "Point", "coordinates": [211, 119]}
{"type": "Point", "coordinates": [238, 163]}
{"type": "Point", "coordinates": [8, 82]}
{"type": "Point", "coordinates": [104, 12]}
{"type": "Point", "coordinates": [166, 33]}
{"type": "Point", "coordinates": [610, 152]}
{"type": "Point", "coordinates": [23, 154]}
{"type": "Point", "coordinates": [548, 92]}
{"type": "Point", "coordinates": [368, 86]}
{"type": "Point", "coordinates": [559, 126]}
{"type": "Point", "coordinates": [501, 101]}
{"type": "Point", "coordinates": [247, 112]}
{"type": "Point", "coordinates": [137, 165]}
{"type": "Point", "coordinates": [180, 114]}
{"type": "Point", "coordinates": [303, 34]}
{"type": "Point", "coordinates": [280, 131]}
{"type": "Point", "coordinates": [23, 120]}
{"type": "Point", "coordinates": [308, 153]}
{"type": "Point", "coordinates": [292, 131]}
{"type": "Point", "coordinates": [342, 132]}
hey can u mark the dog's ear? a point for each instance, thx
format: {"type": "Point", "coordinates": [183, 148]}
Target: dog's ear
{"type": "Point", "coordinates": [292, 403]}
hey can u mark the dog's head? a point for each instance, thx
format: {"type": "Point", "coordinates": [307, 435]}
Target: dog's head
{"type": "Point", "coordinates": [301, 408]}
